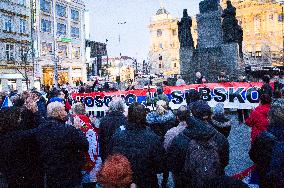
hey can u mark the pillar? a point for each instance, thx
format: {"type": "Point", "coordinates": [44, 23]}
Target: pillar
{"type": "Point", "coordinates": [84, 73]}
{"type": "Point", "coordinates": [5, 84]}
{"type": "Point", "coordinates": [70, 75]}
{"type": "Point", "coordinates": [19, 85]}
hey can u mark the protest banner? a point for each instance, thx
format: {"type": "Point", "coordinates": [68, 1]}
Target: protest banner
{"type": "Point", "coordinates": [239, 95]}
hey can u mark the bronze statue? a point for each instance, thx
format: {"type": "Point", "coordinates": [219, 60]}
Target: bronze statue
{"type": "Point", "coordinates": [232, 32]}
{"type": "Point", "coordinates": [184, 30]}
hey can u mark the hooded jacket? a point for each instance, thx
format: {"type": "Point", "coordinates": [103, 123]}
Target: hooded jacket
{"type": "Point", "coordinates": [144, 150]}
{"type": "Point", "coordinates": [199, 131]}
{"type": "Point", "coordinates": [258, 120]}
{"type": "Point", "coordinates": [160, 124]}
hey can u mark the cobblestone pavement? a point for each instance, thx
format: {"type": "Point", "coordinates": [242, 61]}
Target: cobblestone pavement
{"type": "Point", "coordinates": [239, 141]}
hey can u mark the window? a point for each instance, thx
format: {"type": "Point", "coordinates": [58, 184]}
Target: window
{"type": "Point", "coordinates": [271, 17]}
{"type": "Point", "coordinates": [61, 29]}
{"type": "Point", "coordinates": [46, 48]}
{"type": "Point", "coordinates": [62, 50]}
{"type": "Point", "coordinates": [161, 45]}
{"type": "Point", "coordinates": [74, 14]}
{"type": "Point", "coordinates": [160, 57]}
{"type": "Point", "coordinates": [76, 53]}
{"type": "Point", "coordinates": [8, 23]}
{"type": "Point", "coordinates": [75, 32]}
{"type": "Point", "coordinates": [23, 26]}
{"type": "Point", "coordinates": [159, 33]}
{"type": "Point", "coordinates": [22, 2]}
{"type": "Point", "coordinates": [280, 17]}
{"type": "Point", "coordinates": [45, 6]}
{"type": "Point", "coordinates": [45, 25]}
{"type": "Point", "coordinates": [257, 24]}
{"type": "Point", "coordinates": [10, 51]}
{"type": "Point", "coordinates": [60, 10]}
{"type": "Point", "coordinates": [160, 65]}
{"type": "Point", "coordinates": [174, 32]}
{"type": "Point", "coordinates": [175, 65]}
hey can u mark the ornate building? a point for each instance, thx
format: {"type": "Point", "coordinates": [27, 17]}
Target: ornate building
{"type": "Point", "coordinates": [15, 66]}
{"type": "Point", "coordinates": [164, 47]}
{"type": "Point", "coordinates": [262, 23]}
{"type": "Point", "coordinates": [61, 37]}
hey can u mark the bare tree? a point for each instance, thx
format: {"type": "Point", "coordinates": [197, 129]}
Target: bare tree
{"type": "Point", "coordinates": [24, 64]}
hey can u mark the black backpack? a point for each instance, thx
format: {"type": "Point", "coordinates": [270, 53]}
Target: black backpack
{"type": "Point", "coordinates": [202, 161]}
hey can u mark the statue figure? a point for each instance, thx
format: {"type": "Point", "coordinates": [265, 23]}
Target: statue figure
{"type": "Point", "coordinates": [232, 32]}
{"type": "Point", "coordinates": [206, 6]}
{"type": "Point", "coordinates": [184, 30]}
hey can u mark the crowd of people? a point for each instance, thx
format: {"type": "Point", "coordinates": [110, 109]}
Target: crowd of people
{"type": "Point", "coordinates": [52, 142]}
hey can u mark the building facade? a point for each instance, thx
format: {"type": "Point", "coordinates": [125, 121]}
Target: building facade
{"type": "Point", "coordinates": [164, 45]}
{"type": "Point", "coordinates": [60, 38]}
{"type": "Point", "coordinates": [15, 38]}
{"type": "Point", "coordinates": [262, 22]}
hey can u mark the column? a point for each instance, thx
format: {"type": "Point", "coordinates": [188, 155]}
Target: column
{"type": "Point", "coordinates": [70, 75]}
{"type": "Point", "coordinates": [19, 85]}
{"type": "Point", "coordinates": [4, 84]}
{"type": "Point", "coordinates": [84, 73]}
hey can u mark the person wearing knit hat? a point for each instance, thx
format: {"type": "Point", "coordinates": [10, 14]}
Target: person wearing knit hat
{"type": "Point", "coordinates": [201, 110]}
{"type": "Point", "coordinates": [219, 120]}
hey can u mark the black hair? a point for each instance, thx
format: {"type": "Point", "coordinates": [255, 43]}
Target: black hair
{"type": "Point", "coordinates": [192, 96]}
{"type": "Point", "coordinates": [266, 79]}
{"type": "Point", "coordinates": [265, 99]}
{"type": "Point", "coordinates": [137, 114]}
{"type": "Point", "coordinates": [183, 113]}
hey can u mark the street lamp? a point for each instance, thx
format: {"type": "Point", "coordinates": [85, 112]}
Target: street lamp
{"type": "Point", "coordinates": [119, 41]}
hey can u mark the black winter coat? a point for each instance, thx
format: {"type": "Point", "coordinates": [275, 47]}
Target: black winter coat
{"type": "Point", "coordinates": [62, 148]}
{"type": "Point", "coordinates": [197, 130]}
{"type": "Point", "coordinates": [19, 156]}
{"type": "Point", "coordinates": [144, 149]}
{"type": "Point", "coordinates": [261, 153]}
{"type": "Point", "coordinates": [108, 125]}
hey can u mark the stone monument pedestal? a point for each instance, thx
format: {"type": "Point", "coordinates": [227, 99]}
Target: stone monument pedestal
{"type": "Point", "coordinates": [186, 56]}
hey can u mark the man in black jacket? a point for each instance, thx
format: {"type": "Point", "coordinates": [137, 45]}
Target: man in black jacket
{"type": "Point", "coordinates": [142, 147]}
{"type": "Point", "coordinates": [113, 120]}
{"type": "Point", "coordinates": [200, 131]}
{"type": "Point", "coordinates": [61, 148]}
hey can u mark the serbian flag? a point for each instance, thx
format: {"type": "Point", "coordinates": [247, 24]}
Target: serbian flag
{"type": "Point", "coordinates": [6, 103]}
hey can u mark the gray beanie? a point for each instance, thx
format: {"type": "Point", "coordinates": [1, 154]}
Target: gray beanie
{"type": "Point", "coordinates": [219, 109]}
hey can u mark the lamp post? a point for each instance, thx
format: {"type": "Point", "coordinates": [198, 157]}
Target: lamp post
{"type": "Point", "coordinates": [119, 41]}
